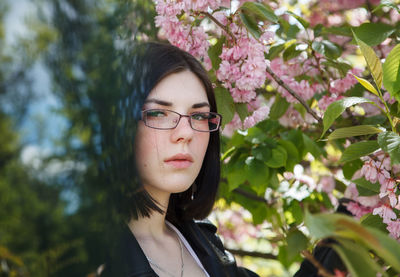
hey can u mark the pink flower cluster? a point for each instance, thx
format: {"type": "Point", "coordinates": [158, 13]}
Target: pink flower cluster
{"type": "Point", "coordinates": [258, 113]}
{"type": "Point", "coordinates": [233, 226]}
{"type": "Point", "coordinates": [338, 87]}
{"type": "Point", "coordinates": [192, 39]}
{"type": "Point", "coordinates": [387, 201]}
{"type": "Point", "coordinates": [243, 65]}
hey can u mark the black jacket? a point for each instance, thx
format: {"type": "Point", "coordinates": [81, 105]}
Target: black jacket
{"type": "Point", "coordinates": [128, 260]}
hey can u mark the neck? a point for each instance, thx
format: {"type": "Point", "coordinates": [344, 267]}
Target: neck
{"type": "Point", "coordinates": [152, 227]}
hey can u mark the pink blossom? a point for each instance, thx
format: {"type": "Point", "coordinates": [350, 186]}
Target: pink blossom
{"type": "Point", "coordinates": [386, 212]}
{"type": "Point", "coordinates": [383, 160]}
{"type": "Point", "coordinates": [326, 100]}
{"type": "Point", "coordinates": [327, 184]}
{"type": "Point", "coordinates": [351, 191]}
{"type": "Point", "coordinates": [382, 175]}
{"type": "Point", "coordinates": [394, 228]}
{"type": "Point", "coordinates": [369, 171]}
{"type": "Point", "coordinates": [388, 188]}
{"type": "Point", "coordinates": [232, 126]}
{"type": "Point", "coordinates": [369, 201]}
{"type": "Point", "coordinates": [358, 210]}
{"type": "Point", "coordinates": [257, 116]}
{"type": "Point", "coordinates": [242, 96]}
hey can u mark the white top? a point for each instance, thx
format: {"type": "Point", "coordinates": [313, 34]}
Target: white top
{"type": "Point", "coordinates": [188, 247]}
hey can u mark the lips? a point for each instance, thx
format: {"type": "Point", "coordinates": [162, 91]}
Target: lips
{"type": "Point", "coordinates": [179, 161]}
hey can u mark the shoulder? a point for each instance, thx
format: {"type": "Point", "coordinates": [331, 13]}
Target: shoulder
{"type": "Point", "coordinates": [225, 257]}
{"type": "Point", "coordinates": [206, 225]}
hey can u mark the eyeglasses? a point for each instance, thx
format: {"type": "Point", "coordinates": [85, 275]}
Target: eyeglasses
{"type": "Point", "coordinates": [166, 119]}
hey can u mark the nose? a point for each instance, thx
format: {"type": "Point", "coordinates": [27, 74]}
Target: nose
{"type": "Point", "coordinates": [183, 131]}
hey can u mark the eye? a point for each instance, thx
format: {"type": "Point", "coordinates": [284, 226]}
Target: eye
{"type": "Point", "coordinates": [156, 113]}
{"type": "Point", "coordinates": [200, 116]}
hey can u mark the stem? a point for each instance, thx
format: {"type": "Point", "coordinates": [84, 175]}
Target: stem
{"type": "Point", "coordinates": [321, 270]}
{"type": "Point", "coordinates": [387, 112]}
{"type": "Point", "coordinates": [294, 94]}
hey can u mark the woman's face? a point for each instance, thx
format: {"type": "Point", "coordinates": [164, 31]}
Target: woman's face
{"type": "Point", "coordinates": [170, 160]}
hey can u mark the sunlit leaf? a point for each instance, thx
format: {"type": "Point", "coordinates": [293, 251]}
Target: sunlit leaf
{"type": "Point", "coordinates": [373, 62]}
{"type": "Point", "coordinates": [391, 72]}
{"type": "Point", "coordinates": [354, 131]}
{"type": "Point", "coordinates": [335, 109]}
{"type": "Point", "coordinates": [366, 85]}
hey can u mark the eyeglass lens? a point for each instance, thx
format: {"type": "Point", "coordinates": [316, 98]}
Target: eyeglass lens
{"type": "Point", "coordinates": [166, 119]}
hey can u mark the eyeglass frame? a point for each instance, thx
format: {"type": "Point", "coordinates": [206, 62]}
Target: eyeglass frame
{"type": "Point", "coordinates": [179, 120]}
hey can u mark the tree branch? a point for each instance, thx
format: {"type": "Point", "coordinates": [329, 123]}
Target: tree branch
{"type": "Point", "coordinates": [252, 196]}
{"type": "Point", "coordinates": [240, 252]}
{"type": "Point", "coordinates": [294, 94]}
{"type": "Point", "coordinates": [321, 270]}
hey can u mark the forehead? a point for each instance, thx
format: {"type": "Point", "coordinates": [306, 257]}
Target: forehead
{"type": "Point", "coordinates": [180, 88]}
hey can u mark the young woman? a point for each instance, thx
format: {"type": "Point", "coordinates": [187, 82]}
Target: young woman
{"type": "Point", "coordinates": [171, 186]}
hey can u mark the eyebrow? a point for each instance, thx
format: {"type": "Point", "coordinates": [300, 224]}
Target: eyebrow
{"type": "Point", "coordinates": [169, 104]}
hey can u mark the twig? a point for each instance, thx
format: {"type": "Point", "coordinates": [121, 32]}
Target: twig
{"type": "Point", "coordinates": [321, 270]}
{"type": "Point", "coordinates": [294, 94]}
{"type": "Point", "coordinates": [256, 254]}
{"type": "Point", "coordinates": [213, 19]}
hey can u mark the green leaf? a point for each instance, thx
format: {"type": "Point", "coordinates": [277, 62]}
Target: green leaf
{"type": "Point", "coordinates": [341, 226]}
{"type": "Point", "coordinates": [261, 152]}
{"type": "Point", "coordinates": [301, 20]}
{"type": "Point", "coordinates": [361, 182]}
{"type": "Point", "coordinates": [293, 155]}
{"type": "Point", "coordinates": [297, 242]}
{"type": "Point", "coordinates": [354, 131]}
{"type": "Point", "coordinates": [359, 149]}
{"type": "Point", "coordinates": [335, 109]}
{"type": "Point", "coordinates": [390, 143]}
{"type": "Point", "coordinates": [250, 24]}
{"type": "Point", "coordinates": [291, 52]}
{"type": "Point", "coordinates": [327, 49]}
{"type": "Point", "coordinates": [257, 174]}
{"type": "Point", "coordinates": [241, 109]}
{"type": "Point", "coordinates": [275, 50]}
{"type": "Point", "coordinates": [215, 51]}
{"type": "Point", "coordinates": [350, 167]}
{"type": "Point", "coordinates": [342, 67]}
{"type": "Point", "coordinates": [357, 259]}
{"type": "Point", "coordinates": [278, 158]}
{"type": "Point", "coordinates": [391, 72]}
{"type": "Point", "coordinates": [386, 247]}
{"type": "Point", "coordinates": [373, 33]}
{"type": "Point", "coordinates": [311, 146]}
{"type": "Point", "coordinates": [373, 221]}
{"type": "Point", "coordinates": [279, 107]}
{"type": "Point", "coordinates": [259, 11]}
{"type": "Point", "coordinates": [373, 62]}
{"type": "Point", "coordinates": [225, 104]}
{"type": "Point", "coordinates": [236, 174]}
{"type": "Point", "coordinates": [366, 85]}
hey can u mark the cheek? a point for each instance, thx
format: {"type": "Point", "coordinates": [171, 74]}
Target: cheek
{"type": "Point", "coordinates": [202, 144]}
